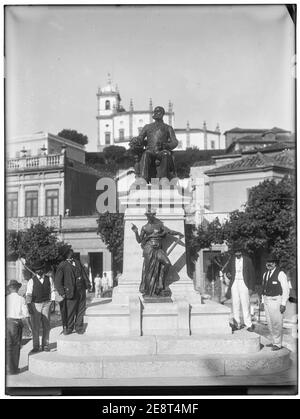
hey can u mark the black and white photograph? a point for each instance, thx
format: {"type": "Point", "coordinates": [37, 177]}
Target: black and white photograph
{"type": "Point", "coordinates": [150, 202]}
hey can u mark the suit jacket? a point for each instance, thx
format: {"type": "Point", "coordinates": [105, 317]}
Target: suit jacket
{"type": "Point", "coordinates": [65, 278]}
{"type": "Point", "coordinates": [248, 272]}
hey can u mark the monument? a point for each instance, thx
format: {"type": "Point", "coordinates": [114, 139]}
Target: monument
{"type": "Point", "coordinates": [154, 289]}
{"type": "Point", "coordinates": [156, 324]}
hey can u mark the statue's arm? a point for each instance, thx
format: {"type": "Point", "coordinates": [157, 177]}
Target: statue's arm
{"type": "Point", "coordinates": [173, 142]}
{"type": "Point", "coordinates": [172, 232]}
{"type": "Point", "coordinates": [143, 134]}
{"type": "Point", "coordinates": [136, 232]}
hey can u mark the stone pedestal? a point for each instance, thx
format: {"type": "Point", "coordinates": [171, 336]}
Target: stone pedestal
{"type": "Point", "coordinates": [169, 206]}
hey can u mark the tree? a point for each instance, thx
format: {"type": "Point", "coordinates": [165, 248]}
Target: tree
{"type": "Point", "coordinates": [114, 153]}
{"type": "Point", "coordinates": [183, 170]}
{"type": "Point", "coordinates": [38, 244]}
{"type": "Point", "coordinates": [268, 223]}
{"type": "Point", "coordinates": [111, 231]}
{"type": "Point", "coordinates": [74, 136]}
{"type": "Point", "coordinates": [205, 235]}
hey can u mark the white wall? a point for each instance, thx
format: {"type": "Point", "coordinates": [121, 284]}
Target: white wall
{"type": "Point", "coordinates": [230, 192]}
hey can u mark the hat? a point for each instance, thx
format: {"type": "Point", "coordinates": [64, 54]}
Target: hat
{"type": "Point", "coordinates": [237, 248]}
{"type": "Point", "coordinates": [14, 284]}
{"type": "Point", "coordinates": [66, 251]}
{"type": "Point", "coordinates": [150, 212]}
{"type": "Point", "coordinates": [272, 258]}
{"type": "Point", "coordinates": [38, 266]}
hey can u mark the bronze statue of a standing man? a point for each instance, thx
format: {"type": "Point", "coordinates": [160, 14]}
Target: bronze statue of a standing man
{"type": "Point", "coordinates": [156, 262]}
{"type": "Point", "coordinates": [156, 142]}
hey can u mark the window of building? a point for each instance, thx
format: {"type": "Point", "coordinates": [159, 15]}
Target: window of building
{"type": "Point", "coordinates": [31, 204]}
{"type": "Point", "coordinates": [52, 202]}
{"type": "Point", "coordinates": [107, 138]}
{"type": "Point", "coordinates": [12, 204]}
{"type": "Point", "coordinates": [248, 193]}
{"type": "Point", "coordinates": [212, 145]}
{"type": "Point", "coordinates": [121, 134]}
{"type": "Point", "coordinates": [107, 105]}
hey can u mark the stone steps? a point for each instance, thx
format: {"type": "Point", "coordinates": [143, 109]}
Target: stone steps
{"type": "Point", "coordinates": [54, 364]}
{"type": "Point", "coordinates": [241, 342]}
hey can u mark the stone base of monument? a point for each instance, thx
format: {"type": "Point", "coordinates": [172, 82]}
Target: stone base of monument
{"type": "Point", "coordinates": [88, 356]}
{"type": "Point", "coordinates": [146, 316]}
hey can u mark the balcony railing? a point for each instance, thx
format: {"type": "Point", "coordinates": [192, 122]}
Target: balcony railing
{"type": "Point", "coordinates": [22, 163]}
{"type": "Point", "coordinates": [22, 223]}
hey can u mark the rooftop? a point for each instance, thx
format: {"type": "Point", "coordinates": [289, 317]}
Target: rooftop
{"type": "Point", "coordinates": [283, 160]}
{"type": "Point", "coordinates": [256, 130]}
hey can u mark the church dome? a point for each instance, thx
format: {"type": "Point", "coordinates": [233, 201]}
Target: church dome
{"type": "Point", "coordinates": [109, 88]}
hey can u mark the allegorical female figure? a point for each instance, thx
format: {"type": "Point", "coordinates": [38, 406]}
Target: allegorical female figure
{"type": "Point", "coordinates": [156, 262]}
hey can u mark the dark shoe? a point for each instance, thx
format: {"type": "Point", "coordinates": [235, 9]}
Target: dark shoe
{"type": "Point", "coordinates": [34, 351]}
{"type": "Point", "coordinates": [80, 331]}
{"type": "Point", "coordinates": [251, 328]}
{"type": "Point", "coordinates": [14, 372]}
{"type": "Point", "coordinates": [66, 331]}
{"type": "Point", "coordinates": [276, 348]}
{"type": "Point", "coordinates": [269, 345]}
{"type": "Point", "coordinates": [234, 325]}
{"type": "Point", "coordinates": [46, 348]}
{"type": "Point", "coordinates": [242, 326]}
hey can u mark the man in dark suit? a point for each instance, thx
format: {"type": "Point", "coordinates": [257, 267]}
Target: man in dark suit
{"type": "Point", "coordinates": [240, 271]}
{"type": "Point", "coordinates": [71, 282]}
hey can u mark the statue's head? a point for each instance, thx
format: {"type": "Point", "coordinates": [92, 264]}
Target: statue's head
{"type": "Point", "coordinates": [150, 214]}
{"type": "Point", "coordinates": [158, 113]}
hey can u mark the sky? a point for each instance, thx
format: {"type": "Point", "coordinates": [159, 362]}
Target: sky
{"type": "Point", "coordinates": [226, 65]}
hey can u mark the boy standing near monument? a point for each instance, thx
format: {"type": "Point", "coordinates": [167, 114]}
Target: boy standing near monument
{"type": "Point", "coordinates": [16, 314]}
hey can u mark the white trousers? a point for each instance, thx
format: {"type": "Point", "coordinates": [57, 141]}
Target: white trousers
{"type": "Point", "coordinates": [240, 297]}
{"type": "Point", "coordinates": [274, 318]}
{"type": "Point", "coordinates": [97, 290]}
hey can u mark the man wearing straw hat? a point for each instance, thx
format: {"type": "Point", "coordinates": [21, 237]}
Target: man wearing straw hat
{"type": "Point", "coordinates": [275, 293]}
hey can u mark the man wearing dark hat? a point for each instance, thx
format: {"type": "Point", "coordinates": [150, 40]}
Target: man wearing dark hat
{"type": "Point", "coordinates": [39, 295]}
{"type": "Point", "coordinates": [16, 314]}
{"type": "Point", "coordinates": [275, 293]}
{"type": "Point", "coordinates": [71, 282]}
{"type": "Point", "coordinates": [240, 271]}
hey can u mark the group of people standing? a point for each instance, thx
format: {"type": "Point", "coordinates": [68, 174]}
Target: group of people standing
{"type": "Point", "coordinates": [68, 287]}
{"type": "Point", "coordinates": [71, 282]}
{"type": "Point", "coordinates": [274, 293]}
{"type": "Point", "coordinates": [102, 284]}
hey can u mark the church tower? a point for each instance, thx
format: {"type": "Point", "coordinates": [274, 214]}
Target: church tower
{"type": "Point", "coordinates": [108, 104]}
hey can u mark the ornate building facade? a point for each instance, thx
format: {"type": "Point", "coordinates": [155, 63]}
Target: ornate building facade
{"type": "Point", "coordinates": [48, 180]}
